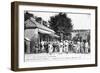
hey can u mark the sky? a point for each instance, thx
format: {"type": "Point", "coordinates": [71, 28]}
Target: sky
{"type": "Point", "coordinates": [79, 21]}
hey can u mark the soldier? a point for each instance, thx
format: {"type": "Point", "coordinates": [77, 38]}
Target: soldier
{"type": "Point", "coordinates": [42, 44]}
{"type": "Point", "coordinates": [82, 47]}
{"type": "Point", "coordinates": [66, 46]}
{"type": "Point", "coordinates": [50, 48]}
{"type": "Point", "coordinates": [75, 47]}
{"type": "Point", "coordinates": [61, 47]}
{"type": "Point", "coordinates": [86, 47]}
{"type": "Point", "coordinates": [78, 46]}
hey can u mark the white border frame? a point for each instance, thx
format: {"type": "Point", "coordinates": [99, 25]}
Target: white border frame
{"type": "Point", "coordinates": [23, 64]}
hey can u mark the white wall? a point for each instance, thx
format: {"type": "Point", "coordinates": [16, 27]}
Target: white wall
{"type": "Point", "coordinates": [5, 31]}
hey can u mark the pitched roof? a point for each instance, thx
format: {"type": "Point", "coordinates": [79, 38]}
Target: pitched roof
{"type": "Point", "coordinates": [32, 23]}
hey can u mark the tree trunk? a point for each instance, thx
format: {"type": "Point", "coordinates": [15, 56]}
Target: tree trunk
{"type": "Point", "coordinates": [61, 34]}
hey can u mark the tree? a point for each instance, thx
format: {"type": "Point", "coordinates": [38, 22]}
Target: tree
{"type": "Point", "coordinates": [27, 16]}
{"type": "Point", "coordinates": [41, 21]}
{"type": "Point", "coordinates": [88, 38]}
{"type": "Point", "coordinates": [61, 24]}
{"type": "Point", "coordinates": [38, 19]}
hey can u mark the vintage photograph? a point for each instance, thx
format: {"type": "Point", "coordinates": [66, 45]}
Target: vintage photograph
{"type": "Point", "coordinates": [52, 36]}
{"type": "Point", "coordinates": [56, 35]}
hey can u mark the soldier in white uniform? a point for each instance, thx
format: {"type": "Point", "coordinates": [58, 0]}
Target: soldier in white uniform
{"type": "Point", "coordinates": [61, 47]}
{"type": "Point", "coordinates": [50, 48]}
{"type": "Point", "coordinates": [86, 47]}
{"type": "Point", "coordinates": [66, 45]}
{"type": "Point", "coordinates": [78, 46]}
{"type": "Point", "coordinates": [42, 43]}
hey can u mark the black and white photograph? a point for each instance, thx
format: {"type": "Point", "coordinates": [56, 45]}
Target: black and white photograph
{"type": "Point", "coordinates": [50, 36]}
{"type": "Point", "coordinates": [56, 35]}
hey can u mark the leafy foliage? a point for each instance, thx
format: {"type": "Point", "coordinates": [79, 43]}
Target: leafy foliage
{"type": "Point", "coordinates": [61, 24]}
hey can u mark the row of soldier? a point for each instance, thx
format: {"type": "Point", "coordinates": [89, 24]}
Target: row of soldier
{"type": "Point", "coordinates": [64, 47]}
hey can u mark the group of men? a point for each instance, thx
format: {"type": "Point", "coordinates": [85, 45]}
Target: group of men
{"type": "Point", "coordinates": [64, 46]}
{"type": "Point", "coordinates": [55, 46]}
